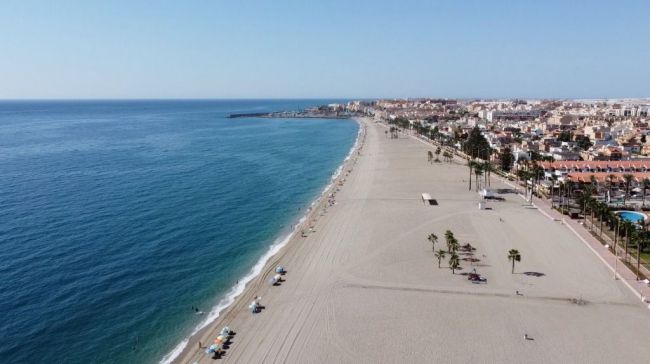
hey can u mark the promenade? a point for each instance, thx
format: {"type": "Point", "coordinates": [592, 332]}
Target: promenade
{"type": "Point", "coordinates": [619, 270]}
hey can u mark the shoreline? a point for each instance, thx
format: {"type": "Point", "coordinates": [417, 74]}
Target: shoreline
{"type": "Point", "coordinates": [267, 262]}
{"type": "Point", "coordinates": [368, 270]}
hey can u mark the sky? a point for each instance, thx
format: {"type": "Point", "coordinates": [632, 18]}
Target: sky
{"type": "Point", "coordinates": [324, 49]}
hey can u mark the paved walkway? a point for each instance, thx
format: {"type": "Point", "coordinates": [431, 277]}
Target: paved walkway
{"type": "Point", "coordinates": [623, 273]}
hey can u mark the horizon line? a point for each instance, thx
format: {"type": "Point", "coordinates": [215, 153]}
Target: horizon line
{"type": "Point", "coordinates": [315, 98]}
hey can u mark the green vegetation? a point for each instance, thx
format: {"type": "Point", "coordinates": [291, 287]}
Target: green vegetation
{"type": "Point", "coordinates": [454, 262]}
{"type": "Point", "coordinates": [440, 254]}
{"type": "Point", "coordinates": [433, 239]}
{"type": "Point", "coordinates": [506, 159]}
{"type": "Point", "coordinates": [476, 145]}
{"type": "Point", "coordinates": [583, 142]}
{"type": "Point", "coordinates": [514, 256]}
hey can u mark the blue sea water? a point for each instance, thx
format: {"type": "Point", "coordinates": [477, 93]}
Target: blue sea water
{"type": "Point", "coordinates": [116, 217]}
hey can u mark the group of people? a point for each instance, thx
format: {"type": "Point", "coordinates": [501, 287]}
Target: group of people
{"type": "Point", "coordinates": [331, 197]}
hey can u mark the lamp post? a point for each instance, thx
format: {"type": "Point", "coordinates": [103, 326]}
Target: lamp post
{"type": "Point", "coordinates": [615, 247]}
{"type": "Point", "coordinates": [615, 262]}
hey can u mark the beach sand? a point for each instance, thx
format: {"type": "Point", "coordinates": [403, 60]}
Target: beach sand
{"type": "Point", "coordinates": [365, 287]}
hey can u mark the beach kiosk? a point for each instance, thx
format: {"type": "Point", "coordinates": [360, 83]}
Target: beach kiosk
{"type": "Point", "coordinates": [487, 194]}
{"type": "Point", "coordinates": [427, 200]}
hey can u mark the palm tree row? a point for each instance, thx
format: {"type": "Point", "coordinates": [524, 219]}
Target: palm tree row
{"type": "Point", "coordinates": [478, 169]}
{"type": "Point", "coordinates": [530, 173]}
{"type": "Point", "coordinates": [626, 233]}
{"type": "Point", "coordinates": [452, 249]}
{"type": "Point", "coordinates": [566, 187]}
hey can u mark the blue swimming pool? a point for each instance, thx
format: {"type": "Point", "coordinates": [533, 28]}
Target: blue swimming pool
{"type": "Point", "coordinates": [632, 216]}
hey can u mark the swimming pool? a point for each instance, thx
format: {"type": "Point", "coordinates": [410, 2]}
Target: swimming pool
{"type": "Point", "coordinates": [632, 216]}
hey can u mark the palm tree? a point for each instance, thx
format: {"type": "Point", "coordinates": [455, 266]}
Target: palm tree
{"type": "Point", "coordinates": [449, 237]}
{"type": "Point", "coordinates": [611, 178]}
{"type": "Point", "coordinates": [446, 156]}
{"type": "Point", "coordinates": [593, 208]}
{"type": "Point", "coordinates": [523, 177]}
{"type": "Point", "coordinates": [454, 245]}
{"type": "Point", "coordinates": [514, 256]}
{"type": "Point", "coordinates": [433, 239]}
{"type": "Point", "coordinates": [478, 171]}
{"type": "Point", "coordinates": [471, 165]}
{"type": "Point", "coordinates": [594, 182]}
{"type": "Point", "coordinates": [569, 191]}
{"type": "Point", "coordinates": [585, 197]}
{"type": "Point", "coordinates": [629, 230]}
{"type": "Point", "coordinates": [645, 183]}
{"type": "Point", "coordinates": [602, 213]}
{"type": "Point", "coordinates": [440, 254]}
{"type": "Point", "coordinates": [617, 229]}
{"type": "Point", "coordinates": [437, 154]}
{"type": "Point", "coordinates": [487, 170]}
{"type": "Point", "coordinates": [628, 180]}
{"type": "Point", "coordinates": [553, 180]}
{"type": "Point", "coordinates": [454, 262]}
{"type": "Point", "coordinates": [562, 193]}
{"type": "Point", "coordinates": [537, 172]}
{"type": "Point", "coordinates": [429, 156]}
{"type": "Point", "coordinates": [641, 243]}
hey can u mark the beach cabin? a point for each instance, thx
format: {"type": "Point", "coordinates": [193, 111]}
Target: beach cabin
{"type": "Point", "coordinates": [486, 194]}
{"type": "Point", "coordinates": [427, 200]}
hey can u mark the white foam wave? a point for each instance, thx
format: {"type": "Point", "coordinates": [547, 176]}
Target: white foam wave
{"type": "Point", "coordinates": [239, 288]}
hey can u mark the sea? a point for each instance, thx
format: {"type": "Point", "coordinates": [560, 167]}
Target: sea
{"type": "Point", "coordinates": [118, 217]}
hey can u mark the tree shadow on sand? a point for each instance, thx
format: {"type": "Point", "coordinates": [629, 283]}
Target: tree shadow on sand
{"type": "Point", "coordinates": [534, 274]}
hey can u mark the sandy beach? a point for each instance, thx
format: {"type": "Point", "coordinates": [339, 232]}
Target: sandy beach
{"type": "Point", "coordinates": [365, 287]}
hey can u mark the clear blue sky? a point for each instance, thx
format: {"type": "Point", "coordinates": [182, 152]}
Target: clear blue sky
{"type": "Point", "coordinates": [311, 49]}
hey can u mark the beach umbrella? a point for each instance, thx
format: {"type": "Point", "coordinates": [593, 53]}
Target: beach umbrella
{"type": "Point", "coordinates": [221, 339]}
